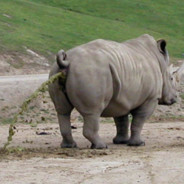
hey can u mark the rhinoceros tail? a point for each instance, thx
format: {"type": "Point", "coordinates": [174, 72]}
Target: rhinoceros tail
{"type": "Point", "coordinates": [61, 59]}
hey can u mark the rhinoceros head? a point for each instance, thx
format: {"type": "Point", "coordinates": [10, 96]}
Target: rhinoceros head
{"type": "Point", "coordinates": [169, 92]}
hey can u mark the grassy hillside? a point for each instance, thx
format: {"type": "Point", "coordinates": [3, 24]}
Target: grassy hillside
{"type": "Point", "coordinates": [48, 25]}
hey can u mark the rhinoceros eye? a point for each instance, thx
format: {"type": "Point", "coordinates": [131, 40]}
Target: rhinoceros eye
{"type": "Point", "coordinates": [172, 78]}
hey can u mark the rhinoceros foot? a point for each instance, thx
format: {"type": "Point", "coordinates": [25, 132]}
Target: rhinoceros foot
{"type": "Point", "coordinates": [136, 143]}
{"type": "Point", "coordinates": [99, 146]}
{"type": "Point", "coordinates": [68, 145]}
{"type": "Point", "coordinates": [120, 140]}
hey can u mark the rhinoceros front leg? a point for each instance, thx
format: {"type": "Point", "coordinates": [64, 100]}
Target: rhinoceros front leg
{"type": "Point", "coordinates": [122, 127]}
{"type": "Point", "coordinates": [139, 117]}
{"type": "Point", "coordinates": [65, 128]}
{"type": "Point", "coordinates": [90, 131]}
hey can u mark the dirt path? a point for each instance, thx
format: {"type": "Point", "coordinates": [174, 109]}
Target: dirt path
{"type": "Point", "coordinates": [14, 89]}
{"type": "Point", "coordinates": [20, 78]}
{"type": "Point", "coordinates": [160, 161]}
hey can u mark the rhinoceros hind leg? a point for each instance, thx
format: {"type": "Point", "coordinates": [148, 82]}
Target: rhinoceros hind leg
{"type": "Point", "coordinates": [90, 131]}
{"type": "Point", "coordinates": [122, 127]}
{"type": "Point", "coordinates": [64, 109]}
{"type": "Point", "coordinates": [65, 128]}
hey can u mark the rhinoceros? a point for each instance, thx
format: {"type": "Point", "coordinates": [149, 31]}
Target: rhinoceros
{"type": "Point", "coordinates": [110, 79]}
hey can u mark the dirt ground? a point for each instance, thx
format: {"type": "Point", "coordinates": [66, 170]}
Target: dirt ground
{"type": "Point", "coordinates": [39, 158]}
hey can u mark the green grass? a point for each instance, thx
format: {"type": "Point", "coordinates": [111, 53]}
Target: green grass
{"type": "Point", "coordinates": [4, 121]}
{"type": "Point", "coordinates": [48, 25]}
{"type": "Point", "coordinates": [182, 96]}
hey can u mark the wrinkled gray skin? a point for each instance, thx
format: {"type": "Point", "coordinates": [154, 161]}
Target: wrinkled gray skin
{"type": "Point", "coordinates": [110, 79]}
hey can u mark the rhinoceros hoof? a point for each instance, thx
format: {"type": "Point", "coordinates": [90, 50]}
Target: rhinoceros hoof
{"type": "Point", "coordinates": [99, 146]}
{"type": "Point", "coordinates": [68, 145]}
{"type": "Point", "coordinates": [134, 143]}
{"type": "Point", "coordinates": [120, 140]}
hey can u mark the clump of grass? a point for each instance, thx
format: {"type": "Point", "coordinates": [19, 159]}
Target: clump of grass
{"type": "Point", "coordinates": [6, 121]}
{"type": "Point", "coordinates": [182, 96]}
{"type": "Point", "coordinates": [24, 106]}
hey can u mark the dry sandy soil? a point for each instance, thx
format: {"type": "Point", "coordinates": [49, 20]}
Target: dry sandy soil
{"type": "Point", "coordinates": [38, 158]}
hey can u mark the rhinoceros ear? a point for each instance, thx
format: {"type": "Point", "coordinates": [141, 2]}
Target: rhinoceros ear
{"type": "Point", "coordinates": [162, 46]}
